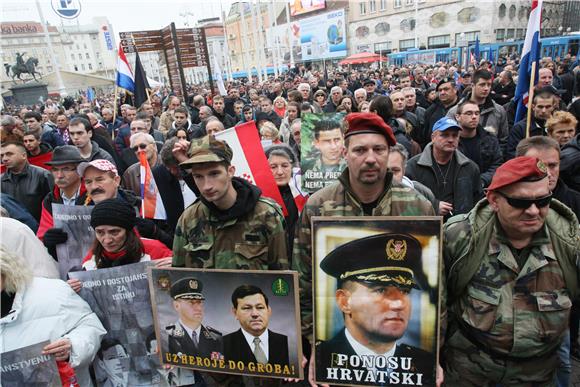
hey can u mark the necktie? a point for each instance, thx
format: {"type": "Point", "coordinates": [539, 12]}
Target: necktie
{"type": "Point", "coordinates": [259, 352]}
{"type": "Point", "coordinates": [194, 338]}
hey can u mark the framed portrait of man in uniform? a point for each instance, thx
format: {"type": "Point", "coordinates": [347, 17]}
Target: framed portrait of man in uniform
{"type": "Point", "coordinates": [376, 300]}
{"type": "Point", "coordinates": [322, 149]}
{"type": "Point", "coordinates": [243, 322]}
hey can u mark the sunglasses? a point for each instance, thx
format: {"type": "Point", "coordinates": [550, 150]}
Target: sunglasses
{"type": "Point", "coordinates": [140, 146]}
{"type": "Point", "coordinates": [524, 204]}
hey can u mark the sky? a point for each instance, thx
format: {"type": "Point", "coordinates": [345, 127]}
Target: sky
{"type": "Point", "coordinates": [124, 15]}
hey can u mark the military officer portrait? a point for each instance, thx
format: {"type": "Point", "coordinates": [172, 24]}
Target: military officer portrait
{"type": "Point", "coordinates": [188, 336]}
{"type": "Point", "coordinates": [373, 294]}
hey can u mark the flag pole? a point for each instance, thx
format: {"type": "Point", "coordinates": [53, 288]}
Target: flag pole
{"type": "Point", "coordinates": [114, 111]}
{"type": "Point", "coordinates": [530, 99]}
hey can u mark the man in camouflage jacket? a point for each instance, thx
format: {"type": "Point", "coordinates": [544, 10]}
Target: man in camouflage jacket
{"type": "Point", "coordinates": [231, 226]}
{"type": "Point", "coordinates": [511, 271]}
{"type": "Point", "coordinates": [364, 188]}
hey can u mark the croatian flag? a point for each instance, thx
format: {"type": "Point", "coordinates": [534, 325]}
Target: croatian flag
{"type": "Point", "coordinates": [250, 160]}
{"type": "Point", "coordinates": [152, 205]}
{"type": "Point", "coordinates": [125, 78]}
{"type": "Point", "coordinates": [530, 54]}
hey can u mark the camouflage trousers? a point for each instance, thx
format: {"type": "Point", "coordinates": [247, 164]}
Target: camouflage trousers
{"type": "Point", "coordinates": [468, 366]}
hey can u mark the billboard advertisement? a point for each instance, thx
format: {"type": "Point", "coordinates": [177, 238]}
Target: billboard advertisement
{"type": "Point", "coordinates": [323, 36]}
{"type": "Point", "coordinates": [300, 7]}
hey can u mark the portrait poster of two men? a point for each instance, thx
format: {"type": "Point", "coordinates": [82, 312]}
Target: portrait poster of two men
{"type": "Point", "coordinates": [376, 303]}
{"type": "Point", "coordinates": [235, 322]}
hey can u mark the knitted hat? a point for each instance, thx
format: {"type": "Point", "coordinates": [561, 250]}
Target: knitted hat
{"type": "Point", "coordinates": [113, 212]}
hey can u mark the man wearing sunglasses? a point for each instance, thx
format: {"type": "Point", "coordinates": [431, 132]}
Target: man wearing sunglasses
{"type": "Point", "coordinates": [511, 275]}
{"type": "Point", "coordinates": [140, 143]}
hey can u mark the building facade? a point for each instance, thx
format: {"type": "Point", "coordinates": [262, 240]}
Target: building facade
{"type": "Point", "coordinates": [83, 49]}
{"type": "Point", "coordinates": [385, 26]}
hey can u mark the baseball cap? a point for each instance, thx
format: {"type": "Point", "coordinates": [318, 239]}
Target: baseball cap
{"type": "Point", "coordinates": [100, 164]}
{"type": "Point", "coordinates": [445, 123]}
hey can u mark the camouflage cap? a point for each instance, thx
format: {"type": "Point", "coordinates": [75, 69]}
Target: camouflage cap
{"type": "Point", "coordinates": [389, 259]}
{"type": "Point", "coordinates": [187, 288]}
{"type": "Point", "coordinates": [208, 150]}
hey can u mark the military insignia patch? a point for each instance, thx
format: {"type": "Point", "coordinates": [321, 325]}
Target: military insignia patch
{"type": "Point", "coordinates": [163, 282]}
{"type": "Point", "coordinates": [542, 167]}
{"type": "Point", "coordinates": [193, 285]}
{"type": "Point", "coordinates": [396, 249]}
{"type": "Point", "coordinates": [280, 287]}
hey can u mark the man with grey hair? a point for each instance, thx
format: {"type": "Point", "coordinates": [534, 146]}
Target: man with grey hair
{"type": "Point", "coordinates": [199, 130]}
{"type": "Point", "coordinates": [334, 100]}
{"type": "Point", "coordinates": [213, 126]}
{"type": "Point", "coordinates": [304, 89]}
{"type": "Point", "coordinates": [411, 105]}
{"type": "Point", "coordinates": [360, 95]}
{"type": "Point", "coordinates": [397, 162]}
{"type": "Point", "coordinates": [140, 143]}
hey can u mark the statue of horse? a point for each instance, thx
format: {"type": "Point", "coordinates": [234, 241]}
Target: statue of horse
{"type": "Point", "coordinates": [29, 67]}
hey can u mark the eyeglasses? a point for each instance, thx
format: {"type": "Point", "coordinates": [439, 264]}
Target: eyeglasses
{"type": "Point", "coordinates": [524, 204]}
{"type": "Point", "coordinates": [140, 146]}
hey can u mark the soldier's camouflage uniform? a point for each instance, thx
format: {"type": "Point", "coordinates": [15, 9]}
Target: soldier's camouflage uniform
{"type": "Point", "coordinates": [255, 241]}
{"type": "Point", "coordinates": [508, 310]}
{"type": "Point", "coordinates": [339, 200]}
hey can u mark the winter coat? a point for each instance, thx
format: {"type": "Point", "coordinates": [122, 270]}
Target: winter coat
{"type": "Point", "coordinates": [48, 309]}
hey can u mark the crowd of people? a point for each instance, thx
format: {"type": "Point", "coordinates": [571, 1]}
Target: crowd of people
{"type": "Point", "coordinates": [416, 140]}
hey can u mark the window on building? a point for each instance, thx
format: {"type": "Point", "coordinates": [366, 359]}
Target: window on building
{"type": "Point", "coordinates": [512, 12]}
{"type": "Point", "coordinates": [406, 44]}
{"type": "Point", "coordinates": [98, 54]}
{"type": "Point", "coordinates": [77, 46]}
{"type": "Point", "coordinates": [439, 41]}
{"type": "Point", "coordinates": [372, 6]}
{"type": "Point", "coordinates": [90, 66]}
{"type": "Point", "coordinates": [94, 37]}
{"type": "Point", "coordinates": [80, 56]}
{"type": "Point", "coordinates": [382, 28]}
{"type": "Point", "coordinates": [363, 7]}
{"type": "Point", "coordinates": [382, 5]}
{"type": "Point", "coordinates": [511, 33]}
{"type": "Point", "coordinates": [397, 3]}
{"type": "Point", "coordinates": [87, 55]}
{"type": "Point", "coordinates": [76, 68]}
{"type": "Point", "coordinates": [85, 46]}
{"type": "Point", "coordinates": [83, 66]}
{"type": "Point", "coordinates": [410, 2]}
{"type": "Point", "coordinates": [383, 48]}
{"type": "Point", "coordinates": [469, 36]}
{"type": "Point", "coordinates": [502, 10]}
{"type": "Point", "coordinates": [500, 35]}
{"type": "Point", "coordinates": [519, 33]}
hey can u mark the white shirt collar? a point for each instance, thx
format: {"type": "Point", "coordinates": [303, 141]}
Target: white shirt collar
{"type": "Point", "coordinates": [361, 350]}
{"type": "Point", "coordinates": [190, 331]}
{"type": "Point", "coordinates": [263, 341]}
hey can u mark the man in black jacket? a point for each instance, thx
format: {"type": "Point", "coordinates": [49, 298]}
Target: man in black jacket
{"type": "Point", "coordinates": [476, 143]}
{"type": "Point", "coordinates": [542, 108]}
{"type": "Point", "coordinates": [26, 183]}
{"type": "Point", "coordinates": [447, 98]}
{"type": "Point", "coordinates": [220, 113]}
{"type": "Point", "coordinates": [504, 88]}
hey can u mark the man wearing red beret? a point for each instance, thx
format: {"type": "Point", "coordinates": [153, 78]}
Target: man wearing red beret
{"type": "Point", "coordinates": [511, 267]}
{"type": "Point", "coordinates": [365, 187]}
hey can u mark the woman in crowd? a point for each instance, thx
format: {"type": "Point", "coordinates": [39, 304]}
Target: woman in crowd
{"type": "Point", "coordinates": [280, 106]}
{"type": "Point", "coordinates": [268, 131]}
{"type": "Point", "coordinates": [364, 106]}
{"type": "Point", "coordinates": [282, 162]}
{"type": "Point", "coordinates": [292, 113]}
{"type": "Point", "coordinates": [38, 309]}
{"type": "Point", "coordinates": [320, 99]}
{"type": "Point", "coordinates": [349, 103]}
{"type": "Point", "coordinates": [180, 134]}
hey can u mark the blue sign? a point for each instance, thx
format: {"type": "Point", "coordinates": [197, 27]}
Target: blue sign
{"type": "Point", "coordinates": [67, 9]}
{"type": "Point", "coordinates": [108, 40]}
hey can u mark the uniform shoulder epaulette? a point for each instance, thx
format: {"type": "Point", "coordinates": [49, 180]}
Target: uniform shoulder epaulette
{"type": "Point", "coordinates": [272, 204]}
{"type": "Point", "coordinates": [213, 330]}
{"type": "Point", "coordinates": [175, 330]}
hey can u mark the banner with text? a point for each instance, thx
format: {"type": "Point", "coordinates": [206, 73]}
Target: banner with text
{"type": "Point", "coordinates": [27, 366]}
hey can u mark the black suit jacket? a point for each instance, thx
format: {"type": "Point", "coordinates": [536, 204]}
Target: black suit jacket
{"type": "Point", "coordinates": [209, 344]}
{"type": "Point", "coordinates": [170, 192]}
{"type": "Point", "coordinates": [422, 361]}
{"type": "Point", "coordinates": [236, 348]}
